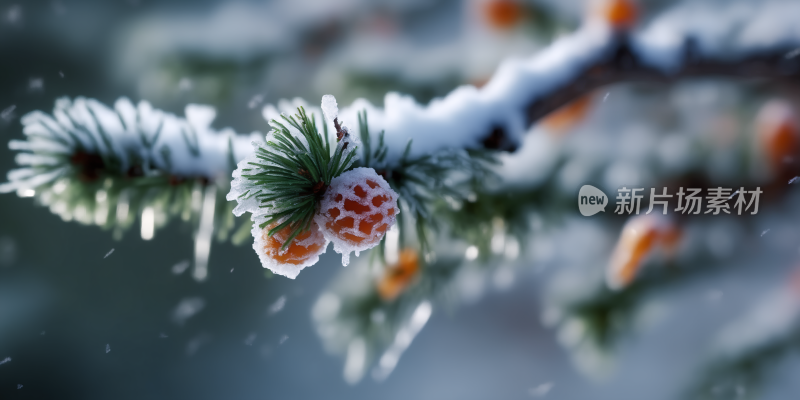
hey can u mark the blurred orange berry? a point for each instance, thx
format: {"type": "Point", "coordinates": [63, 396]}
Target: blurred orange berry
{"type": "Point", "coordinates": [400, 276]}
{"type": "Point", "coordinates": [620, 14]}
{"type": "Point", "coordinates": [503, 14]}
{"type": "Point", "coordinates": [778, 133]}
{"type": "Point", "coordinates": [568, 115]}
{"type": "Point", "coordinates": [640, 236]}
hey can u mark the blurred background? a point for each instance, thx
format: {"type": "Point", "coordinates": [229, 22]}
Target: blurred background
{"type": "Point", "coordinates": [525, 302]}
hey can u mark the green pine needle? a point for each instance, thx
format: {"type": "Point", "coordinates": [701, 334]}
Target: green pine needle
{"type": "Point", "coordinates": [295, 172]}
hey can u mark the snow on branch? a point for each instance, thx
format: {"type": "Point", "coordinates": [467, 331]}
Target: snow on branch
{"type": "Point", "coordinates": [758, 40]}
{"type": "Point", "coordinates": [85, 137]}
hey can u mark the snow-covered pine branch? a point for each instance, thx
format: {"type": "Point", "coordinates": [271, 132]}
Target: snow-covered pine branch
{"type": "Point", "coordinates": [127, 140]}
{"type": "Point", "coordinates": [108, 166]}
{"type": "Point", "coordinates": [688, 41]}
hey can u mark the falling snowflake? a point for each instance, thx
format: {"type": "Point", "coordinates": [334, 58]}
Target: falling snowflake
{"type": "Point", "coordinates": [277, 306]}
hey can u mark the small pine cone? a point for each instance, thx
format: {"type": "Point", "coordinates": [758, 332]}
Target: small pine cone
{"type": "Point", "coordinates": [303, 252]}
{"type": "Point", "coordinates": [356, 211]}
{"type": "Point", "coordinates": [503, 14]}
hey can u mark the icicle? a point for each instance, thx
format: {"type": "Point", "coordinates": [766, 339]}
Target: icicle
{"type": "Point", "coordinates": [202, 243]}
{"type": "Point", "coordinates": [148, 223]}
{"type": "Point", "coordinates": [392, 248]}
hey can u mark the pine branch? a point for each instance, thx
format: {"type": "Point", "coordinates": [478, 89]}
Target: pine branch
{"type": "Point", "coordinates": [291, 174]}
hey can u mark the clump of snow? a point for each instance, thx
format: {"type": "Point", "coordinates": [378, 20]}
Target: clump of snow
{"type": "Point", "coordinates": [243, 190]}
{"type": "Point", "coordinates": [357, 209]}
{"type": "Point", "coordinates": [349, 142]}
{"type": "Point", "coordinates": [329, 107]}
{"type": "Point", "coordinates": [771, 319]}
{"type": "Point", "coordinates": [734, 31]}
{"type": "Point", "coordinates": [466, 116]}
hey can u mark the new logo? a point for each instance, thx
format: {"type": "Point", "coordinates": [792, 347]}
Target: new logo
{"type": "Point", "coordinates": [591, 200]}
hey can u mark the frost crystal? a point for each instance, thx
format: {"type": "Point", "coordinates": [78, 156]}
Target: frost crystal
{"type": "Point", "coordinates": [358, 208]}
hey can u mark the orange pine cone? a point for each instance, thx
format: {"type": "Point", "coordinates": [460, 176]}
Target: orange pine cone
{"type": "Point", "coordinates": [778, 133]}
{"type": "Point", "coordinates": [503, 14]}
{"type": "Point", "coordinates": [400, 276]}
{"type": "Point", "coordinates": [640, 236]}
{"type": "Point", "coordinates": [302, 252]}
{"type": "Point", "coordinates": [620, 14]}
{"type": "Point", "coordinates": [356, 211]}
{"type": "Point", "coordinates": [568, 115]}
